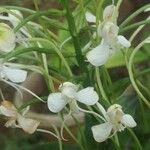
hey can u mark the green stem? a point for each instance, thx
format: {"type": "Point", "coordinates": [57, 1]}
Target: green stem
{"type": "Point", "coordinates": [80, 130]}
{"type": "Point", "coordinates": [129, 67]}
{"type": "Point", "coordinates": [37, 15]}
{"type": "Point", "coordinates": [116, 142]}
{"type": "Point", "coordinates": [124, 23]}
{"type": "Point", "coordinates": [73, 137]}
{"type": "Point", "coordinates": [135, 25]}
{"type": "Point", "coordinates": [135, 139]}
{"type": "Point", "coordinates": [102, 91]}
{"type": "Point", "coordinates": [99, 12]}
{"type": "Point", "coordinates": [54, 48]}
{"type": "Point", "coordinates": [74, 35]}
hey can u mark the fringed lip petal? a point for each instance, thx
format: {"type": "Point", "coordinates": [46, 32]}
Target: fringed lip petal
{"type": "Point", "coordinates": [128, 121]}
{"type": "Point", "coordinates": [101, 132]}
{"type": "Point", "coordinates": [14, 75]}
{"type": "Point", "coordinates": [87, 96]}
{"type": "Point", "coordinates": [98, 56]}
{"type": "Point", "coordinates": [56, 102]}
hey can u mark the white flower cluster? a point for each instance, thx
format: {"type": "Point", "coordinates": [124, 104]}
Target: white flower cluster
{"type": "Point", "coordinates": [115, 119]}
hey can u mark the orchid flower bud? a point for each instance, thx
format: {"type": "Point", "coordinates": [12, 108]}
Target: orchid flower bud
{"type": "Point", "coordinates": [7, 38]}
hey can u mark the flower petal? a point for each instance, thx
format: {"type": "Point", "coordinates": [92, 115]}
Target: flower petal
{"type": "Point", "coordinates": [99, 55]}
{"type": "Point", "coordinates": [27, 124]}
{"type": "Point", "coordinates": [123, 41]}
{"type": "Point", "coordinates": [7, 112]}
{"type": "Point", "coordinates": [7, 38]}
{"type": "Point", "coordinates": [90, 17]}
{"type": "Point", "coordinates": [128, 121]}
{"type": "Point", "coordinates": [14, 75]}
{"type": "Point", "coordinates": [55, 102]}
{"type": "Point", "coordinates": [101, 132]}
{"type": "Point", "coordinates": [87, 96]}
{"type": "Point", "coordinates": [8, 109]}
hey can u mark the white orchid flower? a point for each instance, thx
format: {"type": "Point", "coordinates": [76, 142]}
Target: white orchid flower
{"type": "Point", "coordinates": [111, 41]}
{"type": "Point", "coordinates": [7, 38]}
{"type": "Point", "coordinates": [115, 120]}
{"type": "Point", "coordinates": [69, 94]}
{"type": "Point", "coordinates": [16, 119]}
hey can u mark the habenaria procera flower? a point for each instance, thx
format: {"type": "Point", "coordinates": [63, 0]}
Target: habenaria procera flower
{"type": "Point", "coordinates": [111, 41]}
{"type": "Point", "coordinates": [16, 119]}
{"type": "Point", "coordinates": [70, 94]}
{"type": "Point", "coordinates": [115, 120]}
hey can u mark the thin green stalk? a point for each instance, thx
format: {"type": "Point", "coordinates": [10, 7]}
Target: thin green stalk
{"type": "Point", "coordinates": [58, 134]}
{"type": "Point", "coordinates": [74, 35]}
{"type": "Point", "coordinates": [118, 4]}
{"type": "Point", "coordinates": [73, 137]}
{"type": "Point", "coordinates": [99, 12]}
{"type": "Point", "coordinates": [44, 58]}
{"type": "Point", "coordinates": [135, 25]}
{"type": "Point", "coordinates": [129, 67]}
{"type": "Point", "coordinates": [81, 132]}
{"type": "Point", "coordinates": [56, 49]}
{"type": "Point", "coordinates": [124, 23]}
{"type": "Point", "coordinates": [116, 142]}
{"type": "Point", "coordinates": [79, 127]}
{"type": "Point", "coordinates": [135, 139]}
{"type": "Point", "coordinates": [102, 91]}
{"type": "Point", "coordinates": [144, 88]}
{"type": "Point", "coordinates": [37, 15]}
